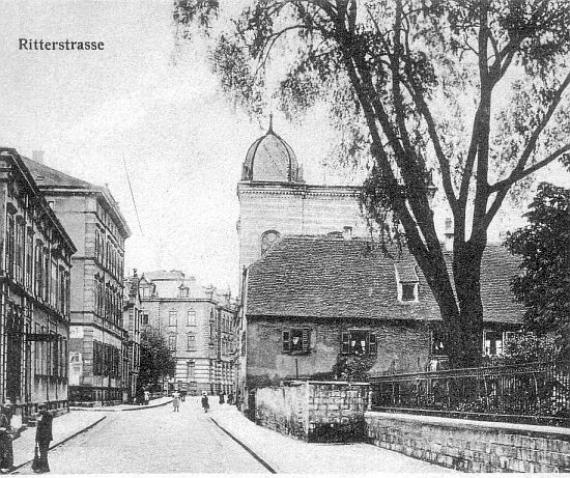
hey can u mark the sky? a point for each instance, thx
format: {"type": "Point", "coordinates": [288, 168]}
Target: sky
{"type": "Point", "coordinates": [183, 145]}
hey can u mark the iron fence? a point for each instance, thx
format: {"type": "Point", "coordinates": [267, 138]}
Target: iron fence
{"type": "Point", "coordinates": [529, 393]}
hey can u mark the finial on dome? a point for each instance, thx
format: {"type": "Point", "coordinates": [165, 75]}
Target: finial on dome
{"type": "Point", "coordinates": [270, 130]}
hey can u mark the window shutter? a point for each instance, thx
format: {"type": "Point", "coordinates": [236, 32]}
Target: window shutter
{"type": "Point", "coordinates": [286, 341]}
{"type": "Point", "coordinates": [345, 342]}
{"type": "Point", "coordinates": [372, 345]}
{"type": "Point", "coordinates": [306, 340]}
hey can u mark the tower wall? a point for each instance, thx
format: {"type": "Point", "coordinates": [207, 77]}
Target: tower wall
{"type": "Point", "coordinates": [291, 208]}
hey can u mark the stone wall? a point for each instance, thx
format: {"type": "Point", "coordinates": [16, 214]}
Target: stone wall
{"type": "Point", "coordinates": [472, 446]}
{"type": "Point", "coordinates": [314, 411]}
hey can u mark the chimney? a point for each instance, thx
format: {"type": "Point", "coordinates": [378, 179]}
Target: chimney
{"type": "Point", "coordinates": [347, 233]}
{"type": "Point", "coordinates": [38, 156]}
{"type": "Point", "coordinates": [448, 234]}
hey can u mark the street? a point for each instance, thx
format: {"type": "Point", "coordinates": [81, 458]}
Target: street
{"type": "Point", "coordinates": [153, 441]}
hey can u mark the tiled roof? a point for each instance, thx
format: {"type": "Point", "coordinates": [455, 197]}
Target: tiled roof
{"type": "Point", "coordinates": [305, 276]}
{"type": "Point", "coordinates": [46, 176]}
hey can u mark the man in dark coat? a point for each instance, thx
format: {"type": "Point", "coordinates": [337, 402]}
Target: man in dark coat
{"type": "Point", "coordinates": [43, 437]}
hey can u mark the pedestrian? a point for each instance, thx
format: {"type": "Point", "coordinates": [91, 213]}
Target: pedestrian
{"type": "Point", "coordinates": [176, 401]}
{"type": "Point", "coordinates": [205, 404]}
{"type": "Point", "coordinates": [6, 447]}
{"type": "Point", "coordinates": [221, 398]}
{"type": "Point", "coordinates": [43, 437]}
{"type": "Point", "coordinates": [146, 397]}
{"type": "Point", "coordinates": [230, 398]}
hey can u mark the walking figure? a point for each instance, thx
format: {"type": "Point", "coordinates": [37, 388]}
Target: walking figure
{"type": "Point", "coordinates": [43, 437]}
{"type": "Point", "coordinates": [221, 397]}
{"type": "Point", "coordinates": [6, 447]}
{"type": "Point", "coordinates": [176, 401]}
{"type": "Point", "coordinates": [146, 397]}
{"type": "Point", "coordinates": [205, 404]}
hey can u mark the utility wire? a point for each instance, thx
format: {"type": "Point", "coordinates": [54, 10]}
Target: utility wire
{"type": "Point", "coordinates": [132, 194]}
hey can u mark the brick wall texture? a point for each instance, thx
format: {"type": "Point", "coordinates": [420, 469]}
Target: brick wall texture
{"type": "Point", "coordinates": [314, 411]}
{"type": "Point", "coordinates": [472, 446]}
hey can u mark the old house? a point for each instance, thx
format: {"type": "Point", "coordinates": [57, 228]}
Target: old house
{"type": "Point", "coordinates": [98, 342]}
{"type": "Point", "coordinates": [132, 324]}
{"type": "Point", "coordinates": [314, 304]}
{"type": "Point", "coordinates": [35, 292]}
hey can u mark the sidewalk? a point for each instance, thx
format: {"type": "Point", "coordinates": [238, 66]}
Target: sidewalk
{"type": "Point", "coordinates": [70, 424]}
{"type": "Point", "coordinates": [157, 402]}
{"type": "Point", "coordinates": [289, 455]}
{"type": "Point", "coordinates": [64, 427]}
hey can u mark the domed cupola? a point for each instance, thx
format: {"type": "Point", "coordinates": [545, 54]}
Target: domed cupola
{"type": "Point", "coordinates": [271, 159]}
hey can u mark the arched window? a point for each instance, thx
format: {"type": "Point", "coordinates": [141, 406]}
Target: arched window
{"type": "Point", "coordinates": [268, 238]}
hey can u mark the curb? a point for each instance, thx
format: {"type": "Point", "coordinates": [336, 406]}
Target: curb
{"type": "Point", "coordinates": [270, 468]}
{"type": "Point", "coordinates": [111, 410]}
{"type": "Point", "coordinates": [61, 442]}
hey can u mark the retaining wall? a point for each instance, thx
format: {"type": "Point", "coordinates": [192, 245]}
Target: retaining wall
{"type": "Point", "coordinates": [314, 411]}
{"type": "Point", "coordinates": [472, 446]}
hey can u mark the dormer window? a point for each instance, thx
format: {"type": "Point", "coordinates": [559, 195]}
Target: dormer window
{"type": "Point", "coordinates": [407, 282]}
{"type": "Point", "coordinates": [409, 293]}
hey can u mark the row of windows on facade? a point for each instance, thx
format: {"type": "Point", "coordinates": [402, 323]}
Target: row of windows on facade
{"type": "Point", "coordinates": [107, 219]}
{"type": "Point", "coordinates": [106, 359]}
{"type": "Point", "coordinates": [108, 301]}
{"type": "Point", "coordinates": [226, 371]}
{"type": "Point", "coordinates": [363, 342]}
{"type": "Point", "coordinates": [227, 345]}
{"type": "Point", "coordinates": [356, 342]}
{"type": "Point", "coordinates": [38, 269]}
{"type": "Point", "coordinates": [224, 320]}
{"type": "Point", "coordinates": [50, 357]}
{"type": "Point", "coordinates": [107, 255]}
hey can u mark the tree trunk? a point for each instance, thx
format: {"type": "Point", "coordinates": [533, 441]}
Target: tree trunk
{"type": "Point", "coordinates": [466, 337]}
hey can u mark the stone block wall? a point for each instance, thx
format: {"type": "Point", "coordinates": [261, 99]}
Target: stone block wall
{"type": "Point", "coordinates": [314, 411]}
{"type": "Point", "coordinates": [336, 411]}
{"type": "Point", "coordinates": [472, 446]}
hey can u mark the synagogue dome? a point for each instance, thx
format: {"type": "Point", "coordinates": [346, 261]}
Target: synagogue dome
{"type": "Point", "coordinates": [271, 159]}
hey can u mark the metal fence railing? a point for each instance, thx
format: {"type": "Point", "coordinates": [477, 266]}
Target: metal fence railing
{"type": "Point", "coordinates": [529, 393]}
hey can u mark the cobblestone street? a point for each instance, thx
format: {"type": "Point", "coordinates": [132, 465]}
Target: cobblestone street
{"type": "Point", "coordinates": [153, 441]}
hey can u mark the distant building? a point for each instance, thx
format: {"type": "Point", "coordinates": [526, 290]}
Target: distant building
{"type": "Point", "coordinates": [132, 323]}
{"type": "Point", "coordinates": [98, 341]}
{"type": "Point", "coordinates": [35, 291]}
{"type": "Point", "coordinates": [199, 326]}
{"type": "Point", "coordinates": [313, 301]}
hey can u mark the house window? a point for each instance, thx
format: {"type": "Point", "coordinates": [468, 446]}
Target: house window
{"type": "Point", "coordinates": [407, 281]}
{"type": "Point", "coordinates": [493, 343]}
{"type": "Point", "coordinates": [409, 293]}
{"type": "Point", "coordinates": [296, 341]}
{"type": "Point", "coordinates": [358, 342]}
{"type": "Point", "coordinates": [268, 238]}
{"type": "Point", "coordinates": [190, 318]}
{"type": "Point", "coordinates": [172, 343]}
{"type": "Point", "coordinates": [191, 345]}
{"type": "Point", "coordinates": [144, 317]}
{"type": "Point", "coordinates": [172, 318]}
{"type": "Point", "coordinates": [190, 372]}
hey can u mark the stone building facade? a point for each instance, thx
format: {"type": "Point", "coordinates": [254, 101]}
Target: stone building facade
{"type": "Point", "coordinates": [198, 324]}
{"type": "Point", "coordinates": [35, 293]}
{"type": "Point", "coordinates": [132, 323]}
{"type": "Point", "coordinates": [98, 341]}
